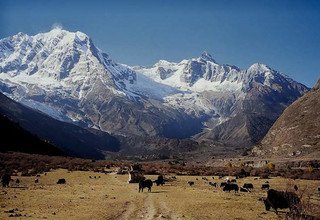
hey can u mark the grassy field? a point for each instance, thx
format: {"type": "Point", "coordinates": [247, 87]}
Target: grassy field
{"type": "Point", "coordinates": [109, 196]}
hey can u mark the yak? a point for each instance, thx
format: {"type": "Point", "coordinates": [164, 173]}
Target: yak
{"type": "Point", "coordinates": [145, 184]}
{"type": "Point", "coordinates": [61, 181]}
{"type": "Point", "coordinates": [248, 186]}
{"type": "Point", "coordinates": [231, 186]}
{"type": "Point", "coordinates": [265, 186]}
{"type": "Point", "coordinates": [5, 180]}
{"type": "Point", "coordinates": [159, 181]}
{"type": "Point", "coordinates": [191, 183]}
{"type": "Point", "coordinates": [281, 200]}
{"type": "Point", "coordinates": [242, 189]}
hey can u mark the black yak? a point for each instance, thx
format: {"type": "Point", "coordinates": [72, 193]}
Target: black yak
{"type": "Point", "coordinates": [248, 186]}
{"type": "Point", "coordinates": [281, 200]}
{"type": "Point", "coordinates": [231, 186]}
{"type": "Point", "coordinates": [61, 181]}
{"type": "Point", "coordinates": [265, 186]}
{"type": "Point", "coordinates": [5, 180]}
{"type": "Point", "coordinates": [145, 184]}
{"type": "Point", "coordinates": [191, 183]}
{"type": "Point", "coordinates": [159, 181]}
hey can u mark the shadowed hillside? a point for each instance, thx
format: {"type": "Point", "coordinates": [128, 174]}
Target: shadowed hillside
{"type": "Point", "coordinates": [15, 138]}
{"type": "Point", "coordinates": [71, 139]}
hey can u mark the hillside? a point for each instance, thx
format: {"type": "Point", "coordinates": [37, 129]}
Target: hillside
{"type": "Point", "coordinates": [296, 133]}
{"type": "Point", "coordinates": [15, 138]}
{"type": "Point", "coordinates": [70, 138]}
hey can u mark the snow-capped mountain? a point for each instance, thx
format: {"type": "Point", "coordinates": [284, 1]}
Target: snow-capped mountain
{"type": "Point", "coordinates": [64, 75]}
{"type": "Point", "coordinates": [196, 75]}
{"type": "Point", "coordinates": [238, 105]}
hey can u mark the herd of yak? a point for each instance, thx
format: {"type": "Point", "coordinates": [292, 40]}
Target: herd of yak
{"type": "Point", "coordinates": [275, 199]}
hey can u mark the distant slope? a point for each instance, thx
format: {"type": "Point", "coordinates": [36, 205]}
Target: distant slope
{"type": "Point", "coordinates": [297, 131]}
{"type": "Point", "coordinates": [15, 138]}
{"type": "Point", "coordinates": [69, 138]}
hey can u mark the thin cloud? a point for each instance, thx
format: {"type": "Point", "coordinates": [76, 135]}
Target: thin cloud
{"type": "Point", "coordinates": [57, 25]}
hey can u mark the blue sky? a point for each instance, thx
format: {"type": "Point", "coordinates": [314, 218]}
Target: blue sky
{"type": "Point", "coordinates": [282, 34]}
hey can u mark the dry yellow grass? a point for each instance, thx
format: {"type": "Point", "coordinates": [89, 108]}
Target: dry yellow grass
{"type": "Point", "coordinates": [111, 197]}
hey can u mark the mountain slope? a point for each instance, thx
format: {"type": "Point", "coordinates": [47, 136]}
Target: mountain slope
{"type": "Point", "coordinates": [297, 130]}
{"type": "Point", "coordinates": [69, 138]}
{"type": "Point", "coordinates": [236, 106]}
{"type": "Point", "coordinates": [15, 138]}
{"type": "Point", "coordinates": [64, 75]}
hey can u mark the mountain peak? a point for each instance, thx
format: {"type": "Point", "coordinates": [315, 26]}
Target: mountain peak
{"type": "Point", "coordinates": [164, 63]}
{"type": "Point", "coordinates": [259, 67]}
{"type": "Point", "coordinates": [207, 57]}
{"type": "Point", "coordinates": [58, 31]}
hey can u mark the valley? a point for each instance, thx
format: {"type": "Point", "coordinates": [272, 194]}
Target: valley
{"type": "Point", "coordinates": [109, 196]}
{"type": "Point", "coordinates": [149, 110]}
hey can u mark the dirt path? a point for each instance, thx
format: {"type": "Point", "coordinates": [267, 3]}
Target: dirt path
{"type": "Point", "coordinates": [149, 210]}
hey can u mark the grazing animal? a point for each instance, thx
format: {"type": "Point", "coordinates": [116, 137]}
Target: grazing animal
{"type": "Point", "coordinates": [190, 183]}
{"type": "Point", "coordinates": [295, 187]}
{"type": "Point", "coordinates": [145, 184]}
{"type": "Point", "coordinates": [223, 184]}
{"type": "Point", "coordinates": [159, 181]}
{"type": "Point", "coordinates": [248, 186]}
{"type": "Point", "coordinates": [38, 175]}
{"type": "Point", "coordinates": [213, 184]}
{"type": "Point", "coordinates": [61, 181]}
{"type": "Point", "coordinates": [205, 178]}
{"type": "Point", "coordinates": [281, 200]}
{"type": "Point", "coordinates": [265, 186]}
{"type": "Point", "coordinates": [233, 181]}
{"type": "Point", "coordinates": [230, 187]}
{"type": "Point", "coordinates": [242, 189]}
{"type": "Point", "coordinates": [213, 177]}
{"type": "Point", "coordinates": [5, 180]}
{"type": "Point", "coordinates": [36, 181]}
